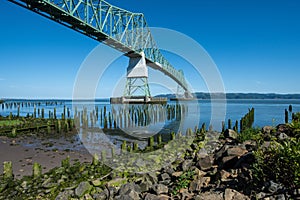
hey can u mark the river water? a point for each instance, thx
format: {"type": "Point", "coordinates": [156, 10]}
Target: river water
{"type": "Point", "coordinates": [267, 112]}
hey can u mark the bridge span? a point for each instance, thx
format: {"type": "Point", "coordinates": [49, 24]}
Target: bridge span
{"type": "Point", "coordinates": [118, 28]}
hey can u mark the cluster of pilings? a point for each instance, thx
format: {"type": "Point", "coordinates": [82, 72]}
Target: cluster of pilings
{"type": "Point", "coordinates": [38, 109]}
{"type": "Point", "coordinates": [246, 122]}
{"type": "Point", "coordinates": [27, 104]}
{"type": "Point", "coordinates": [124, 116]}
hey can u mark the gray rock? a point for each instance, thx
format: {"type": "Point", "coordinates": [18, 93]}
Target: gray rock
{"type": "Point", "coordinates": [210, 196]}
{"type": "Point", "coordinates": [296, 193]}
{"type": "Point", "coordinates": [145, 186]}
{"type": "Point", "coordinates": [150, 196]}
{"type": "Point", "coordinates": [65, 195]}
{"type": "Point", "coordinates": [273, 187]}
{"type": "Point", "coordinates": [205, 163]}
{"type": "Point", "coordinates": [165, 178]}
{"type": "Point", "coordinates": [152, 177]}
{"type": "Point", "coordinates": [231, 194]}
{"type": "Point", "coordinates": [169, 170]}
{"type": "Point", "coordinates": [282, 136]}
{"type": "Point", "coordinates": [100, 196]}
{"type": "Point", "coordinates": [267, 129]}
{"type": "Point", "coordinates": [219, 154]}
{"type": "Point", "coordinates": [229, 162]}
{"type": "Point", "coordinates": [82, 189]}
{"type": "Point", "coordinates": [129, 195]}
{"type": "Point", "coordinates": [186, 165]}
{"type": "Point", "coordinates": [283, 128]}
{"type": "Point", "coordinates": [196, 185]}
{"type": "Point", "coordinates": [236, 151]}
{"type": "Point", "coordinates": [202, 153]}
{"type": "Point", "coordinates": [160, 189]}
{"type": "Point", "coordinates": [229, 133]}
{"type": "Point", "coordinates": [129, 186]}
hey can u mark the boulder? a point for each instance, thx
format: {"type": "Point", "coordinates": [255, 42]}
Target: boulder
{"type": "Point", "coordinates": [160, 189]}
{"type": "Point", "coordinates": [284, 128]}
{"type": "Point", "coordinates": [236, 151]}
{"type": "Point", "coordinates": [205, 163]}
{"type": "Point", "coordinates": [129, 186]}
{"type": "Point", "coordinates": [129, 195]}
{"type": "Point", "coordinates": [82, 189]}
{"type": "Point", "coordinates": [267, 129]}
{"type": "Point", "coordinates": [65, 195]}
{"type": "Point", "coordinates": [164, 178]}
{"type": "Point", "coordinates": [228, 162]}
{"type": "Point", "coordinates": [282, 136]}
{"type": "Point", "coordinates": [196, 185]}
{"type": "Point", "coordinates": [229, 133]}
{"type": "Point", "coordinates": [186, 165]}
{"type": "Point", "coordinates": [231, 194]}
{"type": "Point", "coordinates": [211, 195]}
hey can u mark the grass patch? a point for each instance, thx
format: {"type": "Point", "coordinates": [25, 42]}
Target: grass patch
{"type": "Point", "coordinates": [250, 134]}
{"type": "Point", "coordinates": [15, 122]}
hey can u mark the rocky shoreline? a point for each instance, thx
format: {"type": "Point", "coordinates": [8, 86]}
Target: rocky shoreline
{"type": "Point", "coordinates": [223, 168]}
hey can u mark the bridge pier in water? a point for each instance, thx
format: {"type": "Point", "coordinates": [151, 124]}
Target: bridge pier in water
{"type": "Point", "coordinates": [137, 88]}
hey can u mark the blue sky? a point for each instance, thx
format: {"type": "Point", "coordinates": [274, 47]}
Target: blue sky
{"type": "Point", "coordinates": [255, 45]}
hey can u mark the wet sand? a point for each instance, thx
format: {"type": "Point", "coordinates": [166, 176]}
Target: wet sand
{"type": "Point", "coordinates": [49, 152]}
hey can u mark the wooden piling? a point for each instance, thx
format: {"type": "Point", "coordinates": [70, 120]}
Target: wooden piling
{"type": "Point", "coordinates": [103, 156]}
{"type": "Point", "coordinates": [95, 159]}
{"type": "Point", "coordinates": [37, 170]}
{"type": "Point", "coordinates": [8, 170]}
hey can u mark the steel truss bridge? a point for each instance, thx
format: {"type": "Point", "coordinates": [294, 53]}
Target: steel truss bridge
{"type": "Point", "coordinates": [118, 28]}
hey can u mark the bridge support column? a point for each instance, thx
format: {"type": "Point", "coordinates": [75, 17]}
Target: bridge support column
{"type": "Point", "coordinates": [137, 79]}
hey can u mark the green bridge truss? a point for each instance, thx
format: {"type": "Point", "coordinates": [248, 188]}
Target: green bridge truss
{"type": "Point", "coordinates": [118, 28]}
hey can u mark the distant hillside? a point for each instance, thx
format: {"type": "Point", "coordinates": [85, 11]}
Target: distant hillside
{"type": "Point", "coordinates": [203, 95]}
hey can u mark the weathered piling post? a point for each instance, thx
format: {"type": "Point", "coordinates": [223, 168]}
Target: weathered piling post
{"type": "Point", "coordinates": [286, 116]}
{"type": "Point", "coordinates": [241, 125]}
{"type": "Point", "coordinates": [223, 126]}
{"type": "Point", "coordinates": [43, 113]}
{"type": "Point", "coordinates": [135, 146]}
{"type": "Point", "coordinates": [123, 146]}
{"type": "Point", "coordinates": [109, 120]}
{"type": "Point", "coordinates": [10, 116]}
{"type": "Point", "coordinates": [115, 124]}
{"type": "Point", "coordinates": [54, 113]}
{"type": "Point", "coordinates": [173, 135]}
{"type": "Point", "coordinates": [18, 111]}
{"type": "Point", "coordinates": [290, 108]}
{"type": "Point", "coordinates": [48, 127]}
{"type": "Point", "coordinates": [58, 126]}
{"type": "Point", "coordinates": [229, 123]}
{"type": "Point", "coordinates": [105, 123]}
{"type": "Point", "coordinates": [150, 142]}
{"type": "Point", "coordinates": [203, 128]}
{"type": "Point", "coordinates": [95, 159]}
{"type": "Point", "coordinates": [37, 170]}
{"type": "Point", "coordinates": [159, 139]}
{"type": "Point", "coordinates": [66, 126]}
{"type": "Point", "coordinates": [97, 114]}
{"type": "Point", "coordinates": [8, 170]}
{"type": "Point", "coordinates": [103, 155]}
{"type": "Point", "coordinates": [14, 132]}
{"type": "Point", "coordinates": [236, 126]}
{"type": "Point", "coordinates": [69, 113]}
{"type": "Point", "coordinates": [112, 150]}
{"type": "Point", "coordinates": [64, 111]}
{"type": "Point", "coordinates": [66, 162]}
